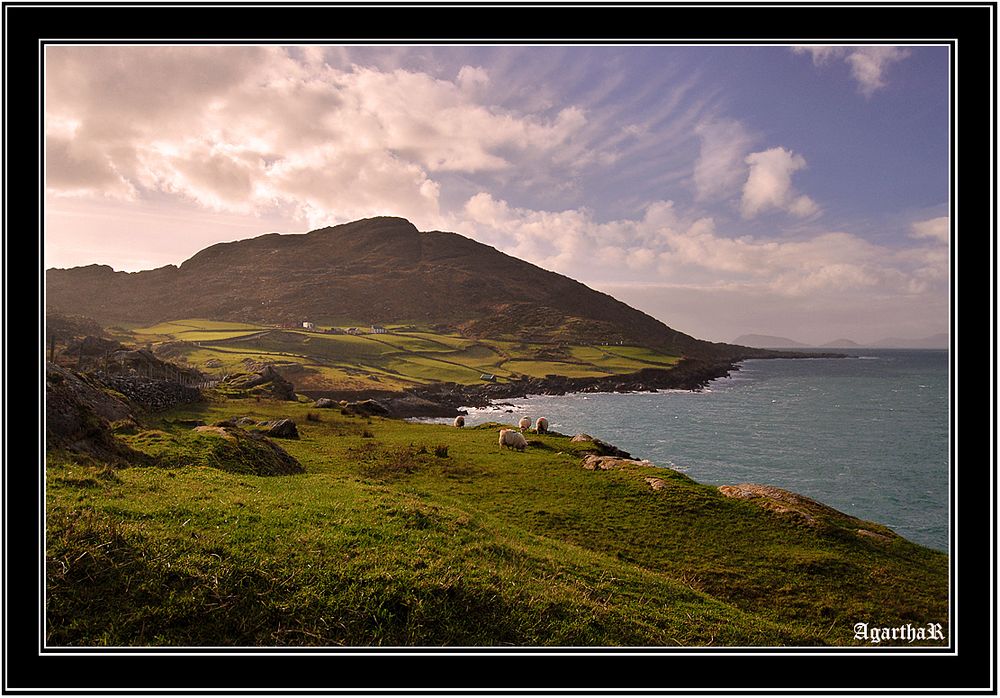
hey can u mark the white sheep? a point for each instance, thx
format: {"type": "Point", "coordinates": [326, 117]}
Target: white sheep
{"type": "Point", "coordinates": [541, 425]}
{"type": "Point", "coordinates": [511, 438]}
{"type": "Point", "coordinates": [459, 421]}
{"type": "Point", "coordinates": [524, 423]}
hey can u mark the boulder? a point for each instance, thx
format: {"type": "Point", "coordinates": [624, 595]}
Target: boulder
{"type": "Point", "coordinates": [656, 483]}
{"type": "Point", "coordinates": [279, 429]}
{"type": "Point", "coordinates": [368, 408]}
{"type": "Point", "coordinates": [326, 403]}
{"type": "Point", "coordinates": [602, 447]}
{"type": "Point", "coordinates": [595, 462]}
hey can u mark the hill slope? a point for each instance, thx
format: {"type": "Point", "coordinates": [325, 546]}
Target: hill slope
{"type": "Point", "coordinates": [766, 341]}
{"type": "Point", "coordinates": [401, 534]}
{"type": "Point", "coordinates": [377, 270]}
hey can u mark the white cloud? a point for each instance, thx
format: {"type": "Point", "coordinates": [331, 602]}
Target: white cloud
{"type": "Point", "coordinates": [769, 184]}
{"type": "Point", "coordinates": [868, 64]}
{"type": "Point", "coordinates": [720, 168]}
{"type": "Point", "coordinates": [472, 77]}
{"type": "Point", "coordinates": [937, 229]}
{"type": "Point", "coordinates": [665, 244]}
{"type": "Point", "coordinates": [264, 129]}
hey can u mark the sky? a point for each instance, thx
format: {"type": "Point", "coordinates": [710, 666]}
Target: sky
{"type": "Point", "coordinates": [781, 190]}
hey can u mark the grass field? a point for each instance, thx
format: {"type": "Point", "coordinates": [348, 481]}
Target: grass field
{"type": "Point", "coordinates": [405, 356]}
{"type": "Point", "coordinates": [413, 534]}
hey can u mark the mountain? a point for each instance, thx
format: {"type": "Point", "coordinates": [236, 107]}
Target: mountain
{"type": "Point", "coordinates": [935, 341]}
{"type": "Point", "coordinates": [376, 270]}
{"type": "Point", "coordinates": [842, 344]}
{"type": "Point", "coordinates": [764, 341]}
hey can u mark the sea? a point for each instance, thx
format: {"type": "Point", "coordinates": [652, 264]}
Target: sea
{"type": "Point", "coordinates": [868, 435]}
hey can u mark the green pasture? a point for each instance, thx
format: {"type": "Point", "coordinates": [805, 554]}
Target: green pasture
{"type": "Point", "coordinates": [402, 534]}
{"type": "Point", "coordinates": [403, 357]}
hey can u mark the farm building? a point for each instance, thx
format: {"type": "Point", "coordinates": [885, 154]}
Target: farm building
{"type": "Point", "coordinates": [309, 325]}
{"type": "Point", "coordinates": [488, 377]}
{"type": "Point", "coordinates": [378, 329]}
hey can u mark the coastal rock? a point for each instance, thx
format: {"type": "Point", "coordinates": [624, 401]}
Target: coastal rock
{"type": "Point", "coordinates": [594, 462]}
{"type": "Point", "coordinates": [656, 483]}
{"type": "Point", "coordinates": [606, 449]}
{"type": "Point", "coordinates": [804, 509]}
{"type": "Point", "coordinates": [872, 536]}
{"type": "Point", "coordinates": [582, 437]}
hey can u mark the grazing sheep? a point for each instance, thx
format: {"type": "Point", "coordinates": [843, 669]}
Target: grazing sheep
{"type": "Point", "coordinates": [511, 438]}
{"type": "Point", "coordinates": [460, 421]}
{"type": "Point", "coordinates": [541, 425]}
{"type": "Point", "coordinates": [524, 423]}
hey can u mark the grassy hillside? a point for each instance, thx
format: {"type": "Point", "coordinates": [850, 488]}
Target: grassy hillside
{"type": "Point", "coordinates": [405, 356]}
{"type": "Point", "coordinates": [413, 534]}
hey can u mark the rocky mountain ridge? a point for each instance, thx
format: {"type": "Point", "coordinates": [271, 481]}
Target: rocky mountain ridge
{"type": "Point", "coordinates": [376, 270]}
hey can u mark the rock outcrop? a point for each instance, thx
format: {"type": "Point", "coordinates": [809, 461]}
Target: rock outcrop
{"type": "Point", "coordinates": [368, 408]}
{"type": "Point", "coordinates": [235, 450]}
{"type": "Point", "coordinates": [262, 380]}
{"type": "Point", "coordinates": [279, 429]}
{"type": "Point", "coordinates": [79, 412]}
{"type": "Point", "coordinates": [800, 508]}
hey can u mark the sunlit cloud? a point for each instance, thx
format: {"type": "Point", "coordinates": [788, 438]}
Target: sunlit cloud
{"type": "Point", "coordinates": [256, 130]}
{"type": "Point", "coordinates": [934, 229]}
{"type": "Point", "coordinates": [869, 64]}
{"type": "Point", "coordinates": [666, 243]}
{"type": "Point", "coordinates": [769, 184]}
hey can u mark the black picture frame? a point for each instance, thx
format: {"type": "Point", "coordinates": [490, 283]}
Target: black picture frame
{"type": "Point", "coordinates": [968, 666]}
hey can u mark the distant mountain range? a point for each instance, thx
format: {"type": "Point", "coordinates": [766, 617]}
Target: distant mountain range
{"type": "Point", "coordinates": [376, 270]}
{"type": "Point", "coordinates": [763, 341]}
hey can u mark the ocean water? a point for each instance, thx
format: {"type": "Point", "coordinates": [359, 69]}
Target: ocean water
{"type": "Point", "coordinates": [868, 435]}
